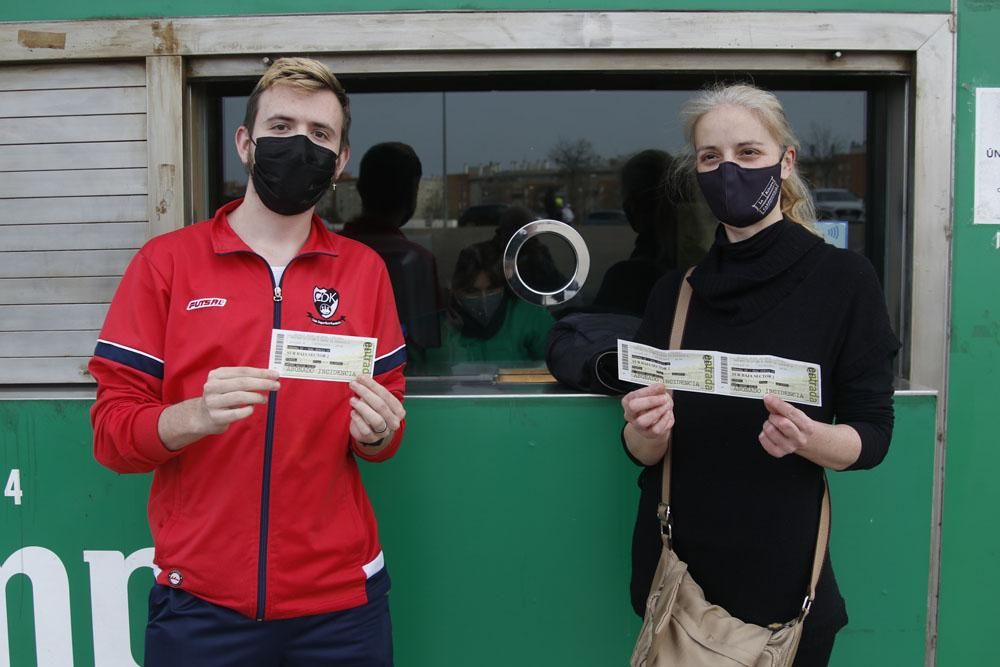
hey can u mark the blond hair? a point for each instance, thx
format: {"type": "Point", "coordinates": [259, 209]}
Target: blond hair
{"type": "Point", "coordinates": [796, 202]}
{"type": "Point", "coordinates": [304, 73]}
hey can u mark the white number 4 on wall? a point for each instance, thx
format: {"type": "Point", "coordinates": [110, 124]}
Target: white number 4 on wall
{"type": "Point", "coordinates": [13, 487]}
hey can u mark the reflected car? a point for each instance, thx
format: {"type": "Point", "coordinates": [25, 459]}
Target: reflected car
{"type": "Point", "coordinates": [606, 216]}
{"type": "Point", "coordinates": [838, 204]}
{"type": "Point", "coordinates": [482, 215]}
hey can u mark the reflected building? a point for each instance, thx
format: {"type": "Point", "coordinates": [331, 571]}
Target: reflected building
{"type": "Point", "coordinates": [526, 184]}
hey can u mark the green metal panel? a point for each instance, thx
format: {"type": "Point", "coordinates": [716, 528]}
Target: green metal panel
{"type": "Point", "coordinates": [506, 523]}
{"type": "Point", "coordinates": [881, 545]}
{"type": "Point", "coordinates": [28, 10]}
{"type": "Point", "coordinates": [970, 545]}
{"type": "Point", "coordinates": [69, 504]}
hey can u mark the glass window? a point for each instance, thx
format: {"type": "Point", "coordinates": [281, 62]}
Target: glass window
{"type": "Point", "coordinates": [593, 151]}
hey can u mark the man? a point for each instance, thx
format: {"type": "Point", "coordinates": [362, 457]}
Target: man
{"type": "Point", "coordinates": [266, 543]}
{"type": "Point", "coordinates": [388, 181]}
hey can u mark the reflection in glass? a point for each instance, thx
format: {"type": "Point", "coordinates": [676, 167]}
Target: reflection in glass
{"type": "Point", "coordinates": [546, 262]}
{"type": "Point", "coordinates": [595, 159]}
{"type": "Point", "coordinates": [546, 283]}
{"type": "Point", "coordinates": [485, 327]}
{"type": "Point", "coordinates": [388, 182]}
{"type": "Point", "coordinates": [649, 203]}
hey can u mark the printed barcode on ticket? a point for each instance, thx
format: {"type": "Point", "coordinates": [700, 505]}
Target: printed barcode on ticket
{"type": "Point", "coordinates": [279, 348]}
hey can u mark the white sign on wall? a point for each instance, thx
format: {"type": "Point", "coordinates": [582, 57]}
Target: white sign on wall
{"type": "Point", "coordinates": [987, 209]}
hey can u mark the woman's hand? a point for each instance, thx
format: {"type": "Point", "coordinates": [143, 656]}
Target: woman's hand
{"type": "Point", "coordinates": [788, 430]}
{"type": "Point", "coordinates": [649, 413]}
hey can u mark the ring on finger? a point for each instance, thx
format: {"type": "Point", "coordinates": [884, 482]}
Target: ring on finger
{"type": "Point", "coordinates": [385, 427]}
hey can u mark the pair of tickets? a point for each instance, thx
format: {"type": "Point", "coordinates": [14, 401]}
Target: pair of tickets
{"type": "Point", "coordinates": [319, 356]}
{"type": "Point", "coordinates": [722, 373]}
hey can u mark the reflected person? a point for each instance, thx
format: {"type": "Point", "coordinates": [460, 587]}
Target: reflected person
{"type": "Point", "coordinates": [557, 207]}
{"type": "Point", "coordinates": [582, 346]}
{"type": "Point", "coordinates": [650, 210]}
{"type": "Point", "coordinates": [388, 182]}
{"type": "Point", "coordinates": [485, 322]}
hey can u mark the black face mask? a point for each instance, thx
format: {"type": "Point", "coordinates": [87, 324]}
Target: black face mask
{"type": "Point", "coordinates": [740, 197]}
{"type": "Point", "coordinates": [481, 307]}
{"type": "Point", "coordinates": [290, 174]}
{"type": "Point", "coordinates": [482, 320]}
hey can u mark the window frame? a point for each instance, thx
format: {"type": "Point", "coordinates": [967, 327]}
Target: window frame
{"type": "Point", "coordinates": [884, 138]}
{"type": "Point", "coordinates": [468, 41]}
{"type": "Point", "coordinates": [919, 45]}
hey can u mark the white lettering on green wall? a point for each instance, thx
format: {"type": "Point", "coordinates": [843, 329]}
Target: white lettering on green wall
{"type": "Point", "coordinates": [109, 575]}
{"type": "Point", "coordinates": [12, 489]}
{"type": "Point", "coordinates": [50, 595]}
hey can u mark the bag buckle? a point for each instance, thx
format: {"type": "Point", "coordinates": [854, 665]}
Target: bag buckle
{"type": "Point", "coordinates": [806, 606]}
{"type": "Point", "coordinates": [666, 525]}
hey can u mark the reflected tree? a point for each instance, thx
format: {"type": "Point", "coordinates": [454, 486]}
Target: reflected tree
{"type": "Point", "coordinates": [820, 148]}
{"type": "Point", "coordinates": [574, 159]}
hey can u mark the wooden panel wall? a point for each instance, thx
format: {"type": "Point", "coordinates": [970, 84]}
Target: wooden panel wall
{"type": "Point", "coordinates": [73, 209]}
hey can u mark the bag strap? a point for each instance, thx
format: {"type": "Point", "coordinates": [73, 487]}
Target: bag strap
{"type": "Point", "coordinates": [663, 512]}
{"type": "Point", "coordinates": [681, 311]}
{"type": "Point", "coordinates": [822, 540]}
{"type": "Point", "coordinates": [676, 334]}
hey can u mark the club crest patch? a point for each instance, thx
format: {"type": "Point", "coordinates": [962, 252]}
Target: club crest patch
{"type": "Point", "coordinates": [326, 300]}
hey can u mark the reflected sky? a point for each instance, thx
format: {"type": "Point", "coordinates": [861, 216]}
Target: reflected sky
{"type": "Point", "coordinates": [510, 127]}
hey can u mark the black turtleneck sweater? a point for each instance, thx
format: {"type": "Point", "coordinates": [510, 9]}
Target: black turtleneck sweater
{"type": "Point", "coordinates": [744, 521]}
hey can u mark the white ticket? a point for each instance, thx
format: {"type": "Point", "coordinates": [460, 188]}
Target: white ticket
{"type": "Point", "coordinates": [745, 375]}
{"type": "Point", "coordinates": [319, 356]}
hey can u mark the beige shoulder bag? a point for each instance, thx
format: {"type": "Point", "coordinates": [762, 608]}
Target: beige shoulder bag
{"type": "Point", "coordinates": [681, 628]}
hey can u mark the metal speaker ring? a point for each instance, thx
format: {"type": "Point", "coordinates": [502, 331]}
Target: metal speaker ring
{"type": "Point", "coordinates": [538, 296]}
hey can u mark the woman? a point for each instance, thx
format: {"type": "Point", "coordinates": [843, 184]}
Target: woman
{"type": "Point", "coordinates": [748, 474]}
{"type": "Point", "coordinates": [484, 322]}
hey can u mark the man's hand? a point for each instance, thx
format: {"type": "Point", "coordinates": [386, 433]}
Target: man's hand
{"type": "Point", "coordinates": [229, 395]}
{"type": "Point", "coordinates": [376, 414]}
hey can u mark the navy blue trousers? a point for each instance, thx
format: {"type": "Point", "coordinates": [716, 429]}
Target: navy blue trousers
{"type": "Point", "coordinates": [185, 631]}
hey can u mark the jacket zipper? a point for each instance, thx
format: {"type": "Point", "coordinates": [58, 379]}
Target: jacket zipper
{"type": "Point", "coordinates": [265, 498]}
{"type": "Point", "coordinates": [272, 403]}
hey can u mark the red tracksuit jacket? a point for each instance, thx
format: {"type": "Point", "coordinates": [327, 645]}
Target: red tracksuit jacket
{"type": "Point", "coordinates": [269, 518]}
